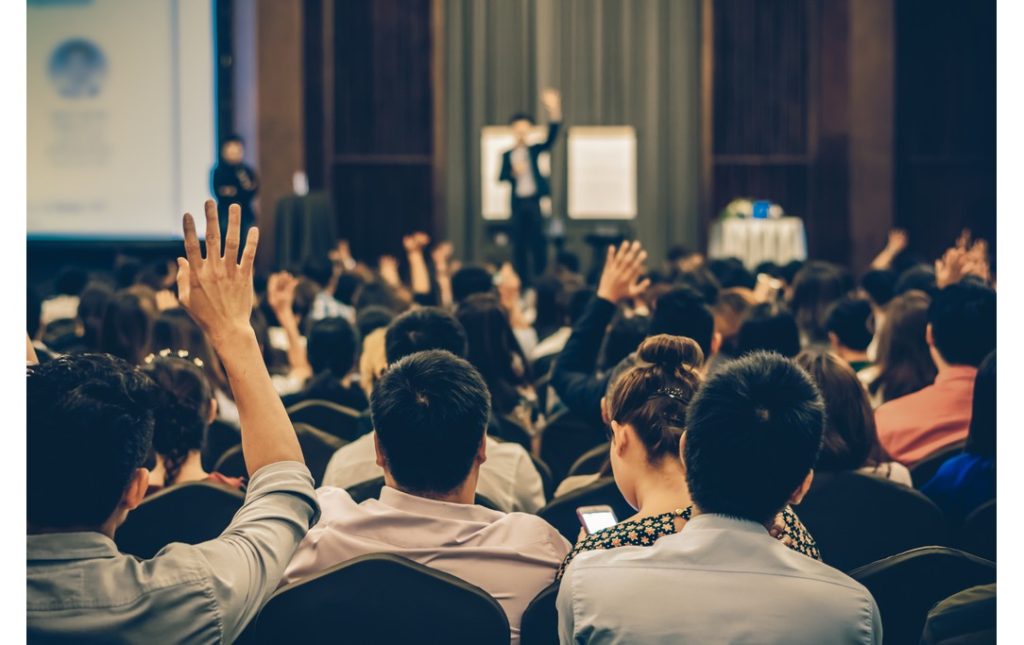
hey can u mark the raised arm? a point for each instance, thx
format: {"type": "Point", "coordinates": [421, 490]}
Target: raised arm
{"type": "Point", "coordinates": [281, 298]}
{"type": "Point", "coordinates": [419, 275]}
{"type": "Point", "coordinates": [217, 292]}
{"type": "Point", "coordinates": [552, 101]}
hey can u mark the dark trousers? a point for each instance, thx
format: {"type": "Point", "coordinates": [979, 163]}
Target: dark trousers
{"type": "Point", "coordinates": [528, 238]}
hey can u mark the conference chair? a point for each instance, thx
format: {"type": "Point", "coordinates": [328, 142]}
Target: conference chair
{"type": "Point", "coordinates": [922, 472]}
{"type": "Point", "coordinates": [546, 479]}
{"type": "Point", "coordinates": [978, 534]}
{"type": "Point", "coordinates": [371, 488]}
{"type": "Point", "coordinates": [328, 417]}
{"type": "Point", "coordinates": [907, 586]}
{"type": "Point", "coordinates": [566, 437]}
{"type": "Point", "coordinates": [857, 519]}
{"type": "Point", "coordinates": [591, 461]}
{"type": "Point", "coordinates": [561, 511]}
{"type": "Point", "coordinates": [379, 598]}
{"type": "Point", "coordinates": [539, 625]}
{"type": "Point", "coordinates": [507, 428]}
{"type": "Point", "coordinates": [220, 437]}
{"type": "Point", "coordinates": [189, 513]}
{"type": "Point", "coordinates": [968, 616]}
{"type": "Point", "coordinates": [317, 449]}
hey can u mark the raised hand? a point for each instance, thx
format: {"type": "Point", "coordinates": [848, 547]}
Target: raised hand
{"type": "Point", "coordinates": [217, 290]}
{"type": "Point", "coordinates": [281, 292]}
{"type": "Point", "coordinates": [897, 241]}
{"type": "Point", "coordinates": [551, 99]}
{"type": "Point", "coordinates": [388, 266]}
{"type": "Point", "coordinates": [622, 270]}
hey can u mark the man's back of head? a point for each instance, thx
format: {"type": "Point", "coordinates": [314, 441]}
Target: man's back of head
{"type": "Point", "coordinates": [90, 427]}
{"type": "Point", "coordinates": [422, 329]}
{"type": "Point", "coordinates": [430, 411]}
{"type": "Point", "coordinates": [852, 323]}
{"type": "Point", "coordinates": [333, 344]}
{"type": "Point", "coordinates": [469, 280]}
{"type": "Point", "coordinates": [963, 322]}
{"type": "Point", "coordinates": [753, 433]}
{"type": "Point", "coordinates": [684, 312]}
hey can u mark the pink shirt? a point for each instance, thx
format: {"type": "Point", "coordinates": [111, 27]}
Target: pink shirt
{"type": "Point", "coordinates": [914, 426]}
{"type": "Point", "coordinates": [511, 556]}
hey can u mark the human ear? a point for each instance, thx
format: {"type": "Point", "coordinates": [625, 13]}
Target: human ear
{"type": "Point", "coordinates": [801, 491]}
{"type": "Point", "coordinates": [135, 492]}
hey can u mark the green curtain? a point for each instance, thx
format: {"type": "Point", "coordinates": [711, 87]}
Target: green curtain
{"type": "Point", "coordinates": [617, 62]}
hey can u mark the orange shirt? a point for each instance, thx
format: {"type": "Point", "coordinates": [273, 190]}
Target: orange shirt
{"type": "Point", "coordinates": [914, 426]}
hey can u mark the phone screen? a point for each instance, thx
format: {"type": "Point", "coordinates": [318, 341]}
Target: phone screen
{"type": "Point", "coordinates": [595, 521]}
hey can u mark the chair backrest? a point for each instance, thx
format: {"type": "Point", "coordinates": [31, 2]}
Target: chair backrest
{"type": "Point", "coordinates": [220, 437]}
{"type": "Point", "coordinates": [907, 586]}
{"type": "Point", "coordinates": [231, 463]}
{"type": "Point", "coordinates": [329, 417]}
{"type": "Point", "coordinates": [925, 469]}
{"type": "Point", "coordinates": [858, 519]}
{"type": "Point", "coordinates": [566, 437]}
{"type": "Point", "coordinates": [546, 478]}
{"type": "Point", "coordinates": [968, 616]}
{"type": "Point", "coordinates": [379, 598]}
{"type": "Point", "coordinates": [539, 625]}
{"type": "Point", "coordinates": [591, 461]}
{"type": "Point", "coordinates": [189, 513]}
{"type": "Point", "coordinates": [978, 534]}
{"type": "Point", "coordinates": [370, 489]}
{"type": "Point", "coordinates": [561, 511]}
{"type": "Point", "coordinates": [317, 449]}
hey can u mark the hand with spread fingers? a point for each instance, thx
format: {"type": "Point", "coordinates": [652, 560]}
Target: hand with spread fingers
{"type": "Point", "coordinates": [216, 290]}
{"type": "Point", "coordinates": [622, 270]}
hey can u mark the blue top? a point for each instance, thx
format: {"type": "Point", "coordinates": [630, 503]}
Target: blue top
{"type": "Point", "coordinates": [962, 484]}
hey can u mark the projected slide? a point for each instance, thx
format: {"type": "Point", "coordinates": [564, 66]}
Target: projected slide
{"type": "Point", "coordinates": [120, 116]}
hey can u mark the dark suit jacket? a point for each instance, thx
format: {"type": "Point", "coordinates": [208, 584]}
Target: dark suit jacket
{"type": "Point", "coordinates": [543, 188]}
{"type": "Point", "coordinates": [574, 375]}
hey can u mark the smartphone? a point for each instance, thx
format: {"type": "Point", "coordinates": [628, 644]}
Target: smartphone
{"type": "Point", "coordinates": [596, 518]}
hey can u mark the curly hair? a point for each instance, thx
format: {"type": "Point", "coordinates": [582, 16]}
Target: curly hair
{"type": "Point", "coordinates": [182, 410]}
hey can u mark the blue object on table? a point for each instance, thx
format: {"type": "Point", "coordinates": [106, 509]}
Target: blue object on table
{"type": "Point", "coordinates": [761, 207]}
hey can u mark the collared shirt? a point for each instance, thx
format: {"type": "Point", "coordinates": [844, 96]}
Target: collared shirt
{"type": "Point", "coordinates": [508, 477]}
{"type": "Point", "coordinates": [80, 587]}
{"type": "Point", "coordinates": [719, 580]}
{"type": "Point", "coordinates": [526, 186]}
{"type": "Point", "coordinates": [914, 426]}
{"type": "Point", "coordinates": [510, 556]}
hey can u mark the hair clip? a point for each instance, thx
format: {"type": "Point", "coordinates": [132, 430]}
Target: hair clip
{"type": "Point", "coordinates": [672, 393]}
{"type": "Point", "coordinates": [168, 353]}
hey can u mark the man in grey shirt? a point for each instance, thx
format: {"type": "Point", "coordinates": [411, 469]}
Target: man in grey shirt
{"type": "Point", "coordinates": [90, 427]}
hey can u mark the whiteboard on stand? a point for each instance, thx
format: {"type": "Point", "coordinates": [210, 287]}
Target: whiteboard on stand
{"type": "Point", "coordinates": [602, 172]}
{"type": "Point", "coordinates": [495, 195]}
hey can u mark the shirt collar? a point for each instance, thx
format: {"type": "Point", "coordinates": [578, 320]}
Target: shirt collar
{"type": "Point", "coordinates": [956, 373]}
{"type": "Point", "coordinates": [718, 522]}
{"type": "Point", "coordinates": [78, 545]}
{"type": "Point", "coordinates": [435, 508]}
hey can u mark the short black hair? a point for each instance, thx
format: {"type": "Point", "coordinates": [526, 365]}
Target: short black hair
{"type": "Point", "coordinates": [963, 320]}
{"type": "Point", "coordinates": [568, 261]}
{"type": "Point", "coordinates": [920, 277]}
{"type": "Point", "coordinates": [90, 420]}
{"type": "Point", "coordinates": [422, 329]}
{"type": "Point", "coordinates": [470, 280]}
{"type": "Point", "coordinates": [346, 287]}
{"type": "Point", "coordinates": [703, 282]}
{"type": "Point", "coordinates": [232, 138]}
{"type": "Point", "coordinates": [731, 272]}
{"type": "Point", "coordinates": [852, 321]}
{"type": "Point", "coordinates": [70, 281]}
{"type": "Point", "coordinates": [771, 327]}
{"type": "Point", "coordinates": [521, 116]}
{"type": "Point", "coordinates": [683, 312]}
{"type": "Point", "coordinates": [332, 346]}
{"type": "Point", "coordinates": [753, 432]}
{"type": "Point", "coordinates": [430, 411]}
{"type": "Point", "coordinates": [880, 285]}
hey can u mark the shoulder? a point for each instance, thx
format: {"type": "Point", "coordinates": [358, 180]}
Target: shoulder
{"type": "Point", "coordinates": [534, 529]}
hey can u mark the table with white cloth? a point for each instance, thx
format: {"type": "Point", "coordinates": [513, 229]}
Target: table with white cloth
{"type": "Point", "coordinates": [753, 241]}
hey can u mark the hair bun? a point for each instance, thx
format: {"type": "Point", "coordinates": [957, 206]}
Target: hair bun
{"type": "Point", "coordinates": [670, 353]}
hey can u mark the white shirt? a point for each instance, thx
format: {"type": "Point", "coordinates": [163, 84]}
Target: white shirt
{"type": "Point", "coordinates": [525, 184]}
{"type": "Point", "coordinates": [719, 580]}
{"type": "Point", "coordinates": [508, 477]}
{"type": "Point", "coordinates": [513, 557]}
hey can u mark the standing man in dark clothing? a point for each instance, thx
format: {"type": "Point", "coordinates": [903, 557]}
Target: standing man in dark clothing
{"type": "Point", "coordinates": [519, 168]}
{"type": "Point", "coordinates": [234, 183]}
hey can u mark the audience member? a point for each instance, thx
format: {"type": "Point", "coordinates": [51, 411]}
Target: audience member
{"type": "Point", "coordinates": [331, 351]}
{"type": "Point", "coordinates": [90, 419]}
{"type": "Point", "coordinates": [851, 440]}
{"type": "Point", "coordinates": [968, 480]}
{"type": "Point", "coordinates": [768, 326]}
{"type": "Point", "coordinates": [730, 310]}
{"type": "Point", "coordinates": [814, 288]}
{"type": "Point", "coordinates": [128, 324]}
{"type": "Point", "coordinates": [753, 432]}
{"type": "Point", "coordinates": [961, 331]}
{"type": "Point", "coordinates": [850, 325]}
{"type": "Point", "coordinates": [904, 363]}
{"type": "Point", "coordinates": [646, 408]}
{"type": "Point", "coordinates": [183, 409]}
{"type": "Point", "coordinates": [372, 360]}
{"type": "Point", "coordinates": [430, 411]}
{"type": "Point", "coordinates": [508, 477]}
